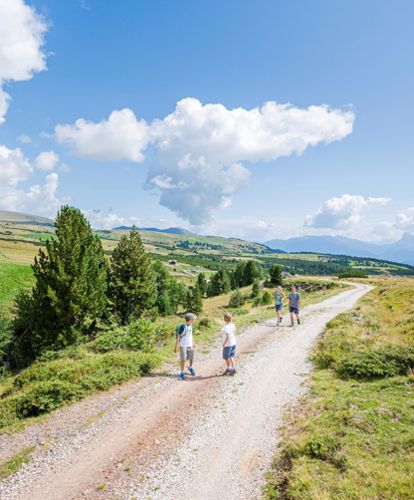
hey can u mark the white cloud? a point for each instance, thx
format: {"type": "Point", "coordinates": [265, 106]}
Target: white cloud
{"type": "Point", "coordinates": [24, 139]}
{"type": "Point", "coordinates": [21, 41]}
{"type": "Point", "coordinates": [120, 137]}
{"type": "Point", "coordinates": [405, 220]}
{"type": "Point", "coordinates": [46, 160]}
{"type": "Point", "coordinates": [14, 167]}
{"type": "Point", "coordinates": [343, 212]}
{"type": "Point", "coordinates": [100, 219]}
{"type": "Point", "coordinates": [197, 150]}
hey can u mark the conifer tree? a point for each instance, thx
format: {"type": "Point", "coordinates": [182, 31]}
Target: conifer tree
{"type": "Point", "coordinates": [194, 300]}
{"type": "Point", "coordinates": [275, 273]}
{"type": "Point", "coordinates": [202, 283]}
{"type": "Point", "coordinates": [132, 287]}
{"type": "Point", "coordinates": [69, 296]}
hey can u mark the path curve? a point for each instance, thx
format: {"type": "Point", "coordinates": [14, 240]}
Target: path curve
{"type": "Point", "coordinates": [209, 437]}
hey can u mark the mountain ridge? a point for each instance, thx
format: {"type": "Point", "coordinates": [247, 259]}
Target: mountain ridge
{"type": "Point", "coordinates": [399, 251]}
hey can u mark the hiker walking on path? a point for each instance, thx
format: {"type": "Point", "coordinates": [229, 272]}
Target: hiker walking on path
{"type": "Point", "coordinates": [279, 298]}
{"type": "Point", "coordinates": [294, 305]}
{"type": "Point", "coordinates": [184, 337]}
{"type": "Point", "coordinates": [229, 342]}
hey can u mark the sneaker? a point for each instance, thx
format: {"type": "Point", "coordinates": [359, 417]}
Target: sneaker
{"type": "Point", "coordinates": [298, 321]}
{"type": "Point", "coordinates": [232, 372]}
{"type": "Point", "coordinates": [181, 376]}
{"type": "Point", "coordinates": [292, 324]}
{"type": "Point", "coordinates": [192, 371]}
{"type": "Point", "coordinates": [226, 372]}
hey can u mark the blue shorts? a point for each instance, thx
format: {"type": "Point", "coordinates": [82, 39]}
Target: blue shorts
{"type": "Point", "coordinates": [278, 307]}
{"type": "Point", "coordinates": [294, 310]}
{"type": "Point", "coordinates": [229, 352]}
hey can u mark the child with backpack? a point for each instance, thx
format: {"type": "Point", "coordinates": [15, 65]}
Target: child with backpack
{"type": "Point", "coordinates": [184, 337]}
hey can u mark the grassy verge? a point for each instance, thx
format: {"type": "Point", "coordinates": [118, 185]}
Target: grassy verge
{"type": "Point", "coordinates": [353, 436]}
{"type": "Point", "coordinates": [14, 464]}
{"type": "Point", "coordinates": [79, 371]}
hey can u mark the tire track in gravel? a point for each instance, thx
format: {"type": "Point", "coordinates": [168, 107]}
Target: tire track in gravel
{"type": "Point", "coordinates": [209, 437]}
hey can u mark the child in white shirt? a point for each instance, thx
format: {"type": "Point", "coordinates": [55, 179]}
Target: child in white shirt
{"type": "Point", "coordinates": [229, 342]}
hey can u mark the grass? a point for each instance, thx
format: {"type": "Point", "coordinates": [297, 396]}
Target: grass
{"type": "Point", "coordinates": [353, 436]}
{"type": "Point", "coordinates": [13, 277]}
{"type": "Point", "coordinates": [79, 371]}
{"type": "Point", "coordinates": [14, 464]}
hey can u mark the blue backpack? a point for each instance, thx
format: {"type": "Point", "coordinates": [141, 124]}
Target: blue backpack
{"type": "Point", "coordinates": [179, 330]}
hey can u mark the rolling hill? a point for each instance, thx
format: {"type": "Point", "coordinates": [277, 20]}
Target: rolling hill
{"type": "Point", "coordinates": [21, 235]}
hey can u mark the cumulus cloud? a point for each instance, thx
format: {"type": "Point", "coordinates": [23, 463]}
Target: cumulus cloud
{"type": "Point", "coordinates": [46, 160]}
{"type": "Point", "coordinates": [24, 139]}
{"type": "Point", "coordinates": [197, 151]}
{"type": "Point", "coordinates": [41, 199]}
{"type": "Point", "coordinates": [120, 137]}
{"type": "Point", "coordinates": [342, 212]}
{"type": "Point", "coordinates": [21, 42]}
{"type": "Point", "coordinates": [405, 220]}
{"type": "Point", "coordinates": [100, 219]}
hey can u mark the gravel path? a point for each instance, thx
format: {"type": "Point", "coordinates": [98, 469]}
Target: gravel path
{"type": "Point", "coordinates": [209, 437]}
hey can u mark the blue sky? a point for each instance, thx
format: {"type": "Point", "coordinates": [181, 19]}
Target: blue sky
{"type": "Point", "coordinates": [102, 56]}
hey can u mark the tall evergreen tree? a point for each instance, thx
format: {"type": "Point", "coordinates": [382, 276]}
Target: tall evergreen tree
{"type": "Point", "coordinates": [275, 273]}
{"type": "Point", "coordinates": [133, 288]}
{"type": "Point", "coordinates": [202, 283]}
{"type": "Point", "coordinates": [220, 283]}
{"type": "Point", "coordinates": [170, 293]}
{"type": "Point", "coordinates": [250, 272]}
{"type": "Point", "coordinates": [194, 299]}
{"type": "Point", "coordinates": [69, 296]}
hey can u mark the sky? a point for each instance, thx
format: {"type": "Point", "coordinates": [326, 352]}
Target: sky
{"type": "Point", "coordinates": [257, 119]}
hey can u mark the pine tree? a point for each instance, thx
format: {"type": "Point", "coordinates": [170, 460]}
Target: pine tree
{"type": "Point", "coordinates": [220, 283]}
{"type": "Point", "coordinates": [170, 293]}
{"type": "Point", "coordinates": [69, 296]}
{"type": "Point", "coordinates": [255, 289]}
{"type": "Point", "coordinates": [133, 288]}
{"type": "Point", "coordinates": [250, 272]}
{"type": "Point", "coordinates": [275, 273]}
{"type": "Point", "coordinates": [202, 283]}
{"type": "Point", "coordinates": [237, 276]}
{"type": "Point", "coordinates": [194, 300]}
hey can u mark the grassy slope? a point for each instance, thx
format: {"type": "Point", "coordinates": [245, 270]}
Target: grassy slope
{"type": "Point", "coordinates": [13, 277]}
{"type": "Point", "coordinates": [353, 437]}
{"type": "Point", "coordinates": [80, 371]}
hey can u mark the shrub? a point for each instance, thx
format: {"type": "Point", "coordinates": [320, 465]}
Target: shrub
{"type": "Point", "coordinates": [140, 335]}
{"type": "Point", "coordinates": [45, 386]}
{"type": "Point", "coordinates": [236, 299]}
{"type": "Point", "coordinates": [205, 323]}
{"type": "Point", "coordinates": [266, 298]}
{"type": "Point", "coordinates": [255, 289]}
{"type": "Point", "coordinates": [388, 361]}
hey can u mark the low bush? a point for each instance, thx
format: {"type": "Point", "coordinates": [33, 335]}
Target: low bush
{"type": "Point", "coordinates": [387, 361]}
{"type": "Point", "coordinates": [205, 323]}
{"type": "Point", "coordinates": [5, 337]}
{"type": "Point", "coordinates": [236, 299]}
{"type": "Point", "coordinates": [266, 298]}
{"type": "Point", "coordinates": [140, 335]}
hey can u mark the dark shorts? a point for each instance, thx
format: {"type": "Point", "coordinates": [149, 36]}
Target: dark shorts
{"type": "Point", "coordinates": [229, 352]}
{"type": "Point", "coordinates": [279, 307]}
{"type": "Point", "coordinates": [294, 310]}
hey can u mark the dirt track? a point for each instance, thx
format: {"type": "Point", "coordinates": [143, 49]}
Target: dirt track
{"type": "Point", "coordinates": [209, 437]}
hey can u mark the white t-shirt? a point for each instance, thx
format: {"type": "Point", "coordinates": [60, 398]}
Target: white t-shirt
{"type": "Point", "coordinates": [230, 330]}
{"type": "Point", "coordinates": [186, 339]}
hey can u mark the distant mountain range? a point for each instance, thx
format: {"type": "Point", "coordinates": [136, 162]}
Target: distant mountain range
{"type": "Point", "coordinates": [400, 251]}
{"type": "Point", "coordinates": [170, 230]}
